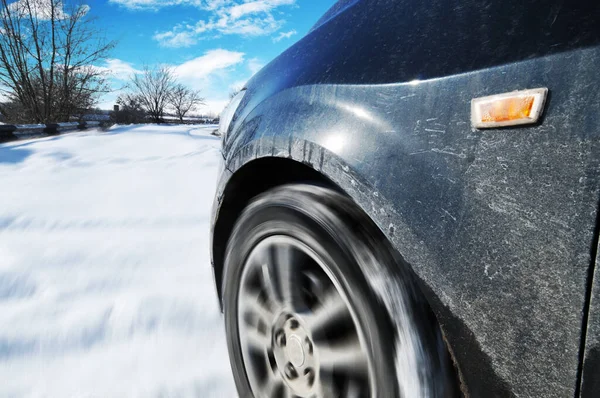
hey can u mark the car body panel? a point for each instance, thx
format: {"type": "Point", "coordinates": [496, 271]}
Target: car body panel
{"type": "Point", "coordinates": [499, 225]}
{"type": "Point", "coordinates": [591, 366]}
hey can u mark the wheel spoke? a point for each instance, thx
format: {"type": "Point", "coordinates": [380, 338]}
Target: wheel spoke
{"type": "Point", "coordinates": [253, 304]}
{"type": "Point", "coordinates": [353, 389]}
{"type": "Point", "coordinates": [287, 393]}
{"type": "Point", "coordinates": [274, 387]}
{"type": "Point", "coordinates": [346, 358]}
{"type": "Point", "coordinates": [256, 340]}
{"type": "Point", "coordinates": [268, 285]}
{"type": "Point", "coordinates": [261, 261]}
{"type": "Point", "coordinates": [327, 388]}
{"type": "Point", "coordinates": [330, 310]}
{"type": "Point", "coordinates": [284, 262]}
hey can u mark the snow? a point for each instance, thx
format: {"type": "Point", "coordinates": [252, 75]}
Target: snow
{"type": "Point", "coordinates": [106, 288]}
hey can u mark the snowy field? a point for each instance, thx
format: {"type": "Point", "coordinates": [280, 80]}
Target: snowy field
{"type": "Point", "coordinates": [105, 281]}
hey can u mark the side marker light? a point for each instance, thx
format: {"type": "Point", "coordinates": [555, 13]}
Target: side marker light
{"type": "Point", "coordinates": [509, 109]}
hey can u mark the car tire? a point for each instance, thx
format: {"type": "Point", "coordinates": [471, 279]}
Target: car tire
{"type": "Point", "coordinates": [297, 255]}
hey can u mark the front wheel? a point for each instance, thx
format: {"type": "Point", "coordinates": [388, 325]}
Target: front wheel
{"type": "Point", "coordinates": [317, 305]}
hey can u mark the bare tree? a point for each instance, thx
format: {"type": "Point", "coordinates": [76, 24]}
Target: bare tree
{"type": "Point", "coordinates": [183, 100]}
{"type": "Point", "coordinates": [130, 111]}
{"type": "Point", "coordinates": [48, 50]}
{"type": "Point", "coordinates": [154, 87]}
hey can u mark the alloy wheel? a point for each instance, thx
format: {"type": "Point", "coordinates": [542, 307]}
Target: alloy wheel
{"type": "Point", "coordinates": [299, 335]}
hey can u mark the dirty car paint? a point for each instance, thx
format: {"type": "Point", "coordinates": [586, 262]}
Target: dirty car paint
{"type": "Point", "coordinates": [498, 225]}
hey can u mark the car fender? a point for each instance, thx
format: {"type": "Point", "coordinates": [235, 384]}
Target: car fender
{"type": "Point", "coordinates": [304, 136]}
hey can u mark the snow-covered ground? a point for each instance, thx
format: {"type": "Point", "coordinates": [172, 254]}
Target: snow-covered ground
{"type": "Point", "coordinates": [105, 282]}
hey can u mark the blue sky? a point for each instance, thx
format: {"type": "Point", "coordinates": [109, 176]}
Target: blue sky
{"type": "Point", "coordinates": [214, 45]}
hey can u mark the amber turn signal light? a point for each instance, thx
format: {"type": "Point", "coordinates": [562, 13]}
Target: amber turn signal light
{"type": "Point", "coordinates": [509, 109]}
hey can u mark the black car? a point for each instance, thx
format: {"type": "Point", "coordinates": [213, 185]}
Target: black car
{"type": "Point", "coordinates": [408, 205]}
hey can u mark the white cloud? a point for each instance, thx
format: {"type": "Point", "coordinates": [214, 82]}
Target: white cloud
{"type": "Point", "coordinates": [255, 7]}
{"type": "Point", "coordinates": [284, 35]}
{"type": "Point", "coordinates": [212, 61]}
{"type": "Point", "coordinates": [176, 39]}
{"type": "Point", "coordinates": [229, 17]}
{"type": "Point", "coordinates": [254, 64]}
{"type": "Point", "coordinates": [211, 5]}
{"type": "Point", "coordinates": [212, 74]}
{"type": "Point", "coordinates": [85, 9]}
{"type": "Point", "coordinates": [154, 4]}
{"type": "Point", "coordinates": [41, 9]}
{"type": "Point", "coordinates": [119, 69]}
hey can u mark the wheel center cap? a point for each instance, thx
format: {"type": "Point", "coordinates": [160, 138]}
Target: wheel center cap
{"type": "Point", "coordinates": [295, 352]}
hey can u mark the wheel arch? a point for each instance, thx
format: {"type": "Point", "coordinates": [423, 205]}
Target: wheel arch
{"type": "Point", "coordinates": [250, 180]}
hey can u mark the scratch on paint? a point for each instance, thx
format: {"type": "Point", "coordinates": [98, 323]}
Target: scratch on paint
{"type": "Point", "coordinates": [435, 131]}
{"type": "Point", "coordinates": [408, 96]}
{"type": "Point", "coordinates": [441, 151]}
{"type": "Point", "coordinates": [448, 152]}
{"type": "Point", "coordinates": [449, 214]}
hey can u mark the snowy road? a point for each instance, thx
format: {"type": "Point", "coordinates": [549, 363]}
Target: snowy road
{"type": "Point", "coordinates": [105, 283]}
